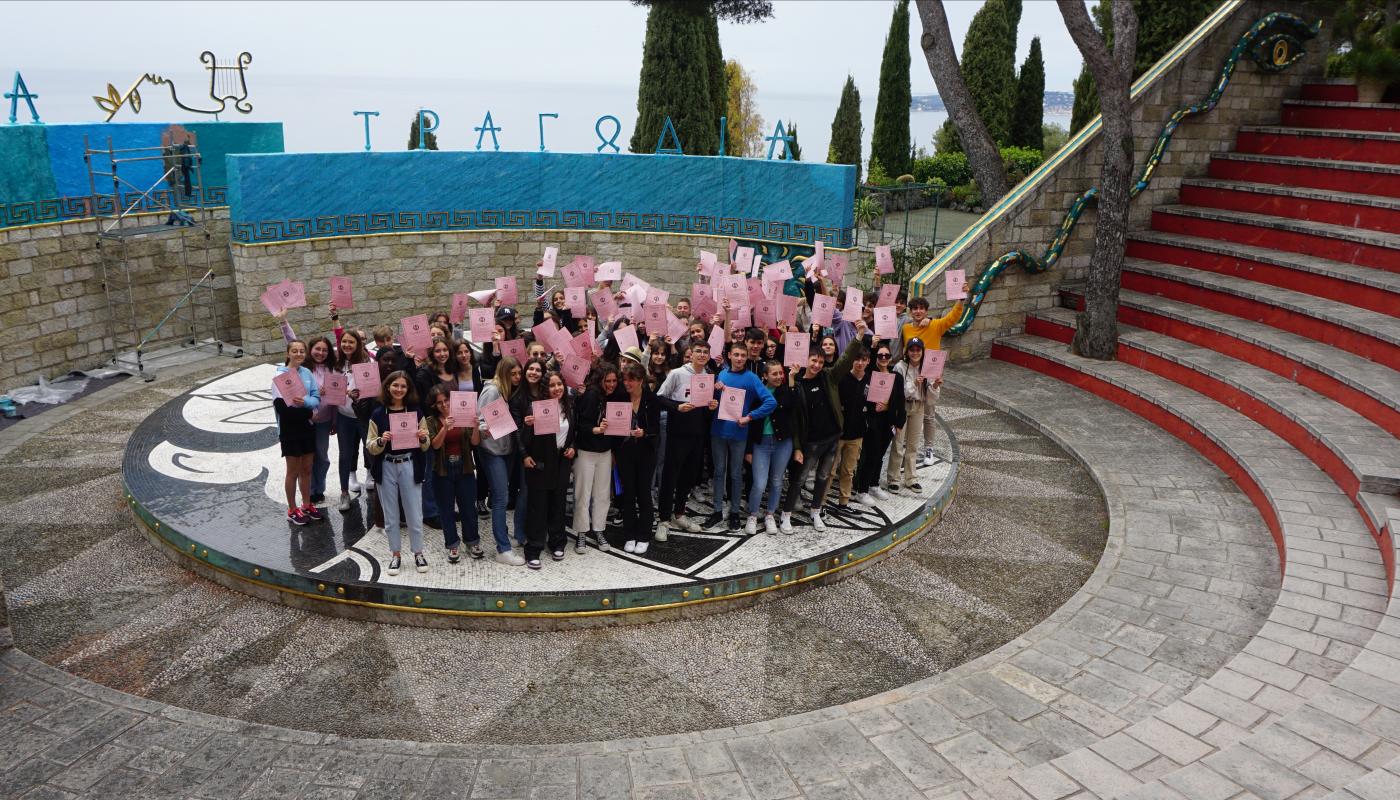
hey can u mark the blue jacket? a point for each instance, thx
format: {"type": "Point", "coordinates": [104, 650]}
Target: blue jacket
{"type": "Point", "coordinates": [758, 403]}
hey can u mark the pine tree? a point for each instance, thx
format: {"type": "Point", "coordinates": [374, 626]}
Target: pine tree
{"type": "Point", "coordinates": [430, 139]}
{"type": "Point", "coordinates": [676, 79]}
{"type": "Point", "coordinates": [793, 145]}
{"type": "Point", "coordinates": [990, 69]}
{"type": "Point", "coordinates": [1029, 118]}
{"type": "Point", "coordinates": [847, 130]}
{"type": "Point", "coordinates": [890, 141]}
{"type": "Point", "coordinates": [1161, 24]}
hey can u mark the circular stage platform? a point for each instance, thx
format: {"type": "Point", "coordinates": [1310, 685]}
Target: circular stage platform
{"type": "Point", "coordinates": [204, 476]}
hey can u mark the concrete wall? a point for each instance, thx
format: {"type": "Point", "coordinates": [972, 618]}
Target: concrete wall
{"type": "Point", "coordinates": [1253, 98]}
{"type": "Point", "coordinates": [400, 275]}
{"type": "Point", "coordinates": [53, 309]}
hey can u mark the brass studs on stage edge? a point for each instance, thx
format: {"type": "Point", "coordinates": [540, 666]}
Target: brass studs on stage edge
{"type": "Point", "coordinates": [340, 590]}
{"type": "Point", "coordinates": [192, 548]}
{"type": "Point", "coordinates": [707, 591]}
{"type": "Point", "coordinates": [522, 603]}
{"type": "Point", "coordinates": [850, 556]}
{"type": "Point", "coordinates": [204, 554]}
{"type": "Point", "coordinates": [777, 578]}
{"type": "Point", "coordinates": [685, 594]}
{"type": "Point", "coordinates": [607, 602]}
{"type": "Point", "coordinates": [500, 604]}
{"type": "Point", "coordinates": [320, 587]}
{"type": "Point", "coordinates": [256, 572]}
{"type": "Point", "coordinates": [417, 599]}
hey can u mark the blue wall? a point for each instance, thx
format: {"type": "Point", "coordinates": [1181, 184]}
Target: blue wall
{"type": "Point", "coordinates": [43, 177]}
{"type": "Point", "coordinates": [309, 195]}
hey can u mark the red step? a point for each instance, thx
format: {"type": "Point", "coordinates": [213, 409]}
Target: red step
{"type": "Point", "coordinates": [1341, 176]}
{"type": "Point", "coordinates": [1348, 245]}
{"type": "Point", "coordinates": [1368, 146]}
{"type": "Point", "coordinates": [1333, 92]}
{"type": "Point", "coordinates": [1273, 271]}
{"type": "Point", "coordinates": [1342, 116]}
{"type": "Point", "coordinates": [1371, 212]}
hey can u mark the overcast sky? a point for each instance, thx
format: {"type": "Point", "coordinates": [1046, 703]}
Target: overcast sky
{"type": "Point", "coordinates": [403, 55]}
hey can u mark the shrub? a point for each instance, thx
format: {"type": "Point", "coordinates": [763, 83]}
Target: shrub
{"type": "Point", "coordinates": [1020, 162]}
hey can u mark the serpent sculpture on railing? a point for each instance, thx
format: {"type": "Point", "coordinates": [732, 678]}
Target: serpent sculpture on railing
{"type": "Point", "coordinates": [1274, 42]}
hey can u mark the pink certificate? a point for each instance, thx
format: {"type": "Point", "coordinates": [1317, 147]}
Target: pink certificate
{"type": "Point", "coordinates": [545, 333]}
{"type": "Point", "coordinates": [818, 255]}
{"type": "Point", "coordinates": [416, 334]}
{"type": "Point", "coordinates": [654, 316]}
{"type": "Point", "coordinates": [515, 348]}
{"type": "Point", "coordinates": [880, 385]}
{"type": "Point", "coordinates": [741, 316]}
{"type": "Point", "coordinates": [735, 289]}
{"type": "Point", "coordinates": [675, 326]}
{"type": "Point", "coordinates": [837, 268]}
{"type": "Point", "coordinates": [342, 293]}
{"type": "Point", "coordinates": [656, 297]}
{"type": "Point", "coordinates": [574, 275]}
{"type": "Point", "coordinates": [888, 293]}
{"type": "Point", "coordinates": [366, 377]}
{"type": "Point", "coordinates": [483, 324]}
{"type": "Point", "coordinates": [884, 262]}
{"type": "Point", "coordinates": [461, 407]}
{"type": "Point", "coordinates": [499, 422]}
{"type": "Point", "coordinates": [855, 303]}
{"type": "Point", "coordinates": [582, 345]}
{"type": "Point", "coordinates": [886, 322]}
{"type": "Point", "coordinates": [780, 271]}
{"type": "Point", "coordinates": [576, 298]}
{"type": "Point", "coordinates": [743, 260]}
{"type": "Point", "coordinates": [291, 295]}
{"type": "Point", "coordinates": [459, 308]}
{"type": "Point", "coordinates": [546, 414]}
{"type": "Point", "coordinates": [608, 271]}
{"type": "Point", "coordinates": [823, 306]}
{"type": "Point", "coordinates": [482, 296]}
{"type": "Point", "coordinates": [702, 388]}
{"type": "Point", "coordinates": [548, 262]}
{"type": "Point", "coordinates": [619, 417]}
{"type": "Point", "coordinates": [626, 337]}
{"type": "Point", "coordinates": [953, 281]}
{"type": "Point", "coordinates": [717, 343]}
{"type": "Point", "coordinates": [605, 304]}
{"type": "Point", "coordinates": [288, 384]}
{"type": "Point", "coordinates": [796, 348]}
{"type": "Point", "coordinates": [269, 300]}
{"type": "Point", "coordinates": [404, 426]}
{"type": "Point", "coordinates": [575, 370]}
{"type": "Point", "coordinates": [505, 290]}
{"type": "Point", "coordinates": [333, 389]}
{"type": "Point", "coordinates": [787, 310]}
{"type": "Point", "coordinates": [934, 361]}
{"type": "Point", "coordinates": [731, 404]}
{"type": "Point", "coordinates": [707, 262]}
{"type": "Point", "coordinates": [765, 314]}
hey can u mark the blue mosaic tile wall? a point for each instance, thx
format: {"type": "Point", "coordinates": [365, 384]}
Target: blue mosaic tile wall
{"type": "Point", "coordinates": [43, 177]}
{"type": "Point", "coordinates": [314, 195]}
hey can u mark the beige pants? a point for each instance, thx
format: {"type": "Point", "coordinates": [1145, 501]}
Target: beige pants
{"type": "Point", "coordinates": [847, 457]}
{"type": "Point", "coordinates": [905, 447]}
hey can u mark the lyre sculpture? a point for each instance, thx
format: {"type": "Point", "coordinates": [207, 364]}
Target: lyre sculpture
{"type": "Point", "coordinates": [227, 82]}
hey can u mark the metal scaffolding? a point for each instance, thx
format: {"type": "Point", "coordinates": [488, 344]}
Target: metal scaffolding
{"type": "Point", "coordinates": [173, 205]}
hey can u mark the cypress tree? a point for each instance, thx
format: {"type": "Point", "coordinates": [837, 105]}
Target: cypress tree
{"type": "Point", "coordinates": [793, 145]}
{"type": "Point", "coordinates": [989, 70]}
{"type": "Point", "coordinates": [719, 78]}
{"type": "Point", "coordinates": [847, 130]}
{"type": "Point", "coordinates": [430, 139]}
{"type": "Point", "coordinates": [1013, 21]}
{"type": "Point", "coordinates": [1029, 118]}
{"type": "Point", "coordinates": [890, 141]}
{"type": "Point", "coordinates": [675, 81]}
{"type": "Point", "coordinates": [1161, 24]}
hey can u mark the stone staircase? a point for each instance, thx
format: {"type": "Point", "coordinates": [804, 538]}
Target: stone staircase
{"type": "Point", "coordinates": [1260, 324]}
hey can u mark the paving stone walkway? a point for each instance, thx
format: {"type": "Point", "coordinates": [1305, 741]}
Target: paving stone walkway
{"type": "Point", "coordinates": [1188, 578]}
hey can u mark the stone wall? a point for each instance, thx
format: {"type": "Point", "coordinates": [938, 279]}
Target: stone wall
{"type": "Point", "coordinates": [400, 275]}
{"type": "Point", "coordinates": [53, 309]}
{"type": "Point", "coordinates": [1253, 98]}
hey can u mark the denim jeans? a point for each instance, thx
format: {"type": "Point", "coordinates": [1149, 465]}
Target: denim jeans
{"type": "Point", "coordinates": [430, 506]}
{"type": "Point", "coordinates": [350, 437]}
{"type": "Point", "coordinates": [728, 455]}
{"type": "Point", "coordinates": [498, 470]}
{"type": "Point", "coordinates": [398, 487]}
{"type": "Point", "coordinates": [770, 460]}
{"type": "Point", "coordinates": [321, 464]}
{"type": "Point", "coordinates": [460, 486]}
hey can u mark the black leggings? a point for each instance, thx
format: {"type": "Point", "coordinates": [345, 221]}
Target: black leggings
{"type": "Point", "coordinates": [635, 463]}
{"type": "Point", "coordinates": [872, 454]}
{"type": "Point", "coordinates": [679, 474]}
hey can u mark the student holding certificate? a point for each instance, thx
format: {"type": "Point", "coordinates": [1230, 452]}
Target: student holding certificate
{"type": "Point", "coordinates": [295, 398]}
{"type": "Point", "coordinates": [549, 460]}
{"type": "Point", "coordinates": [636, 458]}
{"type": "Point", "coordinates": [453, 472]}
{"type": "Point", "coordinates": [400, 466]}
{"type": "Point", "coordinates": [884, 410]}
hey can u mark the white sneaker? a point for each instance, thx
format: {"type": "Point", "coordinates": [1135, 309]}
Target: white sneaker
{"type": "Point", "coordinates": [786, 525]}
{"type": "Point", "coordinates": [817, 521]}
{"type": "Point", "coordinates": [641, 547]}
{"type": "Point", "coordinates": [630, 547]}
{"type": "Point", "coordinates": [751, 527]}
{"type": "Point", "coordinates": [770, 525]}
{"type": "Point", "coordinates": [684, 523]}
{"type": "Point", "coordinates": [603, 545]}
{"type": "Point", "coordinates": [663, 532]}
{"type": "Point", "coordinates": [344, 504]}
{"type": "Point", "coordinates": [879, 494]}
{"type": "Point", "coordinates": [864, 499]}
{"type": "Point", "coordinates": [354, 483]}
{"type": "Point", "coordinates": [510, 559]}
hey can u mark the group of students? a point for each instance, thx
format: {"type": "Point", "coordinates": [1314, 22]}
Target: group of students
{"type": "Point", "coordinates": [796, 423]}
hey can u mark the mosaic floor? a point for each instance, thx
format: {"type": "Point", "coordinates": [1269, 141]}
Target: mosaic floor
{"type": "Point", "coordinates": [208, 464]}
{"type": "Point", "coordinates": [89, 594]}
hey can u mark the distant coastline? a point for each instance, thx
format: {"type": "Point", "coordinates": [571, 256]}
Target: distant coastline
{"type": "Point", "coordinates": [1055, 102]}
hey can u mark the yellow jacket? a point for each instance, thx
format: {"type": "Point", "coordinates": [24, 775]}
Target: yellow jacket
{"type": "Point", "coordinates": [931, 332]}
